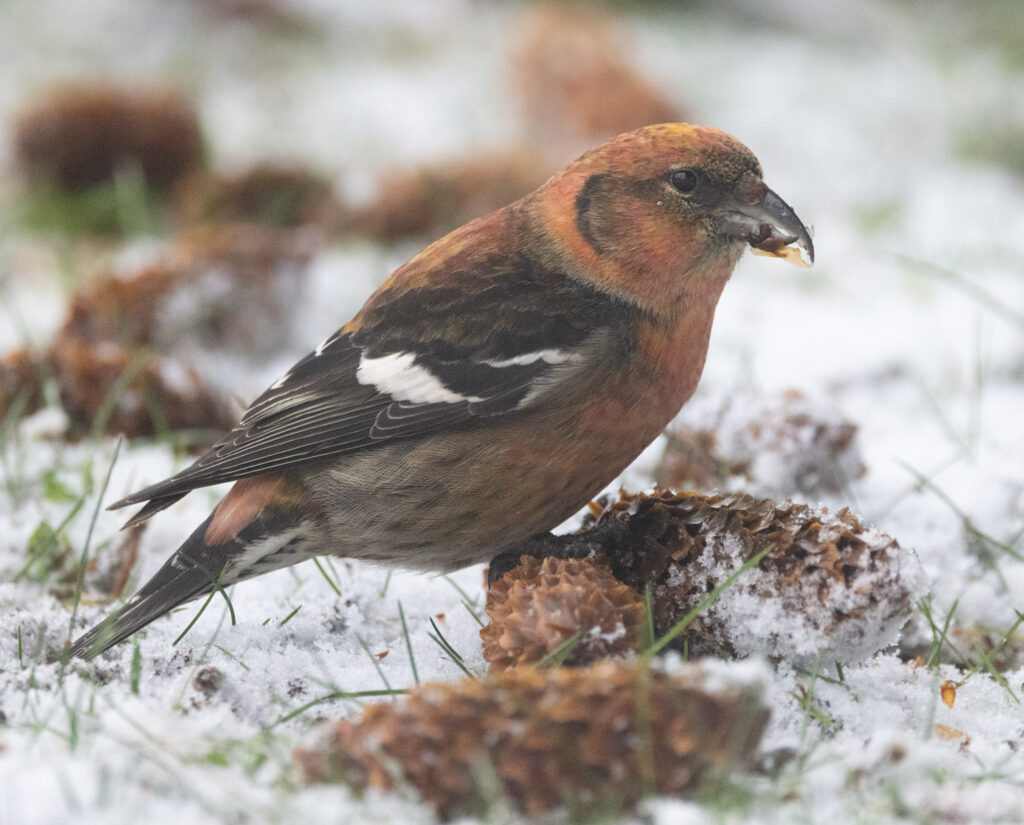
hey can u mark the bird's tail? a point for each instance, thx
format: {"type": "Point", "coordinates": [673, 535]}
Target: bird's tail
{"type": "Point", "coordinates": [212, 557]}
{"type": "Point", "coordinates": [191, 572]}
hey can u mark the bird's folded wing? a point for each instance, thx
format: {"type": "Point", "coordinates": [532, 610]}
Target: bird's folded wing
{"type": "Point", "coordinates": [402, 372]}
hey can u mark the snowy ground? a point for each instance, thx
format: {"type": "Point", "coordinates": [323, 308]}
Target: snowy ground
{"type": "Point", "coordinates": [886, 126]}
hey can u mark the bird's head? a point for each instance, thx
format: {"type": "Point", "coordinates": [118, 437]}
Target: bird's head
{"type": "Point", "coordinates": [666, 211]}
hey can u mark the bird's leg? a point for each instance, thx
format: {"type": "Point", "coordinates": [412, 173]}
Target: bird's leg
{"type": "Point", "coordinates": [539, 546]}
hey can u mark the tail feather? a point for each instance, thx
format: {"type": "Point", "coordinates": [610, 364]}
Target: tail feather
{"type": "Point", "coordinates": [258, 527]}
{"type": "Point", "coordinates": [152, 507]}
{"type": "Point", "coordinates": [188, 574]}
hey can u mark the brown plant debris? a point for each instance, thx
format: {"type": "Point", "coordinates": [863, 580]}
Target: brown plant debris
{"type": "Point", "coordinates": [828, 585]}
{"type": "Point", "coordinates": [80, 136]}
{"type": "Point", "coordinates": [430, 200]}
{"type": "Point", "coordinates": [577, 83]}
{"type": "Point", "coordinates": [777, 445]}
{"type": "Point", "coordinates": [50, 559]}
{"type": "Point", "coordinates": [121, 359]}
{"type": "Point", "coordinates": [21, 384]}
{"type": "Point", "coordinates": [603, 735]}
{"type": "Point", "coordinates": [108, 574]}
{"type": "Point", "coordinates": [974, 642]}
{"type": "Point", "coordinates": [541, 605]}
{"type": "Point", "coordinates": [226, 286]}
{"type": "Point", "coordinates": [211, 290]}
{"type": "Point", "coordinates": [109, 387]}
{"type": "Point", "coordinates": [208, 681]}
{"type": "Point", "coordinates": [266, 193]}
{"type": "Point", "coordinates": [270, 15]}
{"type": "Point", "coordinates": [947, 690]}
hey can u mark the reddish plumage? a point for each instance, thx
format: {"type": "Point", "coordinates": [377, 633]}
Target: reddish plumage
{"type": "Point", "coordinates": [493, 384]}
{"type": "Point", "coordinates": [246, 501]}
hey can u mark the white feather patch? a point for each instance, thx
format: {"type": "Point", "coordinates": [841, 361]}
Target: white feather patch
{"type": "Point", "coordinates": [550, 356]}
{"type": "Point", "coordinates": [280, 382]}
{"type": "Point", "coordinates": [330, 339]}
{"type": "Point", "coordinates": [400, 377]}
{"type": "Point", "coordinates": [262, 548]}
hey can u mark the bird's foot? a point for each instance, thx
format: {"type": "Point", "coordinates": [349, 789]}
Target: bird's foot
{"type": "Point", "coordinates": [607, 538]}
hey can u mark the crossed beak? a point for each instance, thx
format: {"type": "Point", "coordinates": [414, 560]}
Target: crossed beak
{"type": "Point", "coordinates": [771, 227]}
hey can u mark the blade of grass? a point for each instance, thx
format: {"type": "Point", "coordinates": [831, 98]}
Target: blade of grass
{"type": "Point", "coordinates": [985, 660]}
{"type": "Point", "coordinates": [135, 367]}
{"type": "Point", "coordinates": [84, 560]}
{"type": "Point", "coordinates": [647, 635]}
{"type": "Point", "coordinates": [136, 671]}
{"type": "Point", "coordinates": [337, 694]}
{"type": "Point", "coordinates": [217, 588]}
{"type": "Point", "coordinates": [200, 659]}
{"type": "Point", "coordinates": [917, 486]}
{"type": "Point", "coordinates": [231, 655]}
{"type": "Point", "coordinates": [8, 434]}
{"type": "Point", "coordinates": [57, 534]}
{"type": "Point", "coordinates": [968, 525]}
{"type": "Point", "coordinates": [289, 617]}
{"type": "Point", "coordinates": [941, 418]}
{"type": "Point", "coordinates": [940, 636]}
{"type": "Point", "coordinates": [805, 697]}
{"type": "Point", "coordinates": [556, 658]}
{"type": "Point", "coordinates": [195, 618]}
{"type": "Point", "coordinates": [980, 295]}
{"type": "Point", "coordinates": [438, 638]}
{"type": "Point", "coordinates": [408, 644]}
{"type": "Point", "coordinates": [473, 613]}
{"type": "Point", "coordinates": [132, 201]}
{"type": "Point", "coordinates": [323, 572]}
{"type": "Point", "coordinates": [840, 682]}
{"type": "Point", "coordinates": [375, 660]}
{"type": "Point", "coordinates": [703, 604]}
{"type": "Point", "coordinates": [644, 720]}
{"type": "Point", "coordinates": [466, 599]}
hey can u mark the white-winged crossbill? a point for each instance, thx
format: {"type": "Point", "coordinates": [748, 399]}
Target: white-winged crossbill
{"type": "Point", "coordinates": [493, 385]}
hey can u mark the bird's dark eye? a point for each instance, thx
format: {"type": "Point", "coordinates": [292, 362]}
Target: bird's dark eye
{"type": "Point", "coordinates": [684, 180]}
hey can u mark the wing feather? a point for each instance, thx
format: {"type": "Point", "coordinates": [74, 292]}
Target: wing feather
{"type": "Point", "coordinates": [324, 407]}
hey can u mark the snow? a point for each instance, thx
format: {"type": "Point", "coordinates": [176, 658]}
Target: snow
{"type": "Point", "coordinates": [909, 326]}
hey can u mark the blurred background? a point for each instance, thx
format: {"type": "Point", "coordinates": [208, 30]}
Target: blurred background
{"type": "Point", "coordinates": [193, 176]}
{"type": "Point", "coordinates": [193, 193]}
{"type": "Point", "coordinates": [196, 192]}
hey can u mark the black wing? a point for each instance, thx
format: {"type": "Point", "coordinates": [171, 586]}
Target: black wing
{"type": "Point", "coordinates": [404, 372]}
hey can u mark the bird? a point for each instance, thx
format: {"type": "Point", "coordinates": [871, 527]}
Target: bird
{"type": "Point", "coordinates": [492, 386]}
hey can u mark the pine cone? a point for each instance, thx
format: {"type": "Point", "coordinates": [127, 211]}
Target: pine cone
{"type": "Point", "coordinates": [828, 586]}
{"type": "Point", "coordinates": [82, 135]}
{"type": "Point", "coordinates": [225, 286]}
{"type": "Point", "coordinates": [603, 735]}
{"type": "Point", "coordinates": [576, 81]}
{"type": "Point", "coordinates": [134, 393]}
{"type": "Point", "coordinates": [21, 383]}
{"type": "Point", "coordinates": [539, 606]}
{"type": "Point", "coordinates": [263, 194]}
{"type": "Point", "coordinates": [776, 445]}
